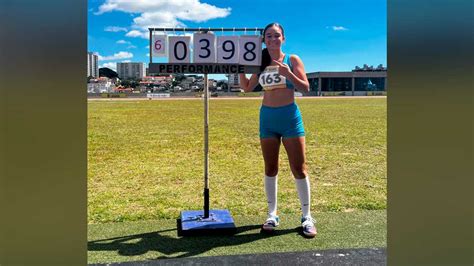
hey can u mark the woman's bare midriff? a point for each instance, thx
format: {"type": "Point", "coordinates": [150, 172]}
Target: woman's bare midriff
{"type": "Point", "coordinates": [278, 97]}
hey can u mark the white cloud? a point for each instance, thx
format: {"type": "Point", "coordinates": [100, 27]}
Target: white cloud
{"type": "Point", "coordinates": [130, 45]}
{"type": "Point", "coordinates": [136, 33]}
{"type": "Point", "coordinates": [147, 47]}
{"type": "Point", "coordinates": [338, 28]}
{"type": "Point", "coordinates": [163, 13]}
{"type": "Point", "coordinates": [126, 61]}
{"type": "Point", "coordinates": [115, 29]}
{"type": "Point", "coordinates": [111, 65]}
{"type": "Point", "coordinates": [116, 56]}
{"type": "Point", "coordinates": [123, 42]}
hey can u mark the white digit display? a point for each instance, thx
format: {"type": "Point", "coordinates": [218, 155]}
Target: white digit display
{"type": "Point", "coordinates": [178, 49]}
{"type": "Point", "coordinates": [250, 50]}
{"type": "Point", "coordinates": [228, 49]}
{"type": "Point", "coordinates": [159, 45]}
{"type": "Point", "coordinates": [204, 48]}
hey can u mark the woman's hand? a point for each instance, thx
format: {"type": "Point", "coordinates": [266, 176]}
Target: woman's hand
{"type": "Point", "coordinates": [283, 69]}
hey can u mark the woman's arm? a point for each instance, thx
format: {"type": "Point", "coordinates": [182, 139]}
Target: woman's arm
{"type": "Point", "coordinates": [297, 76]}
{"type": "Point", "coordinates": [299, 79]}
{"type": "Point", "coordinates": [248, 84]}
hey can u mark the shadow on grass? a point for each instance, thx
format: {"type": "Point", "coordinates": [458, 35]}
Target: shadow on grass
{"type": "Point", "coordinates": [140, 244]}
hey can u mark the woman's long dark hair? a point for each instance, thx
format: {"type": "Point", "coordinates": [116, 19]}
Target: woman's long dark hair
{"type": "Point", "coordinates": [266, 59]}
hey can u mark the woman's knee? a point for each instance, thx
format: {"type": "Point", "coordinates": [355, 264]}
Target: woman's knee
{"type": "Point", "coordinates": [271, 170]}
{"type": "Point", "coordinates": [299, 171]}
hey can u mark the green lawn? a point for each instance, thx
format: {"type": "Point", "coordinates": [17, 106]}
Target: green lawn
{"type": "Point", "coordinates": [145, 158]}
{"type": "Point", "coordinates": [156, 239]}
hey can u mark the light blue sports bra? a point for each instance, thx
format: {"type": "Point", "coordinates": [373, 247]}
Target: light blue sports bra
{"type": "Point", "coordinates": [287, 61]}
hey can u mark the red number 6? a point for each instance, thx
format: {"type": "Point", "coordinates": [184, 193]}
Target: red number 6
{"type": "Point", "coordinates": [158, 45]}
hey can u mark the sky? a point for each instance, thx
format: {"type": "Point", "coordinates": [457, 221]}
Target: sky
{"type": "Point", "coordinates": [328, 35]}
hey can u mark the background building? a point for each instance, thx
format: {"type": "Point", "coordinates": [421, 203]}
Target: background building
{"type": "Point", "coordinates": [360, 81]}
{"type": "Point", "coordinates": [129, 70]}
{"type": "Point", "coordinates": [100, 85]}
{"type": "Point", "coordinates": [92, 65]}
{"type": "Point", "coordinates": [153, 83]}
{"type": "Point", "coordinates": [233, 82]}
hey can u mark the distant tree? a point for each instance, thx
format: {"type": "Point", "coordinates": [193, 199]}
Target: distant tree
{"type": "Point", "coordinates": [179, 77]}
{"type": "Point", "coordinates": [222, 84]}
{"type": "Point", "coordinates": [225, 86]}
{"type": "Point", "coordinates": [125, 83]}
{"type": "Point", "coordinates": [134, 83]}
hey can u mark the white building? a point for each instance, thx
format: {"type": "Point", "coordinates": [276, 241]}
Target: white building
{"type": "Point", "coordinates": [127, 70]}
{"type": "Point", "coordinates": [233, 82]}
{"type": "Point", "coordinates": [100, 85]}
{"type": "Point", "coordinates": [92, 65]}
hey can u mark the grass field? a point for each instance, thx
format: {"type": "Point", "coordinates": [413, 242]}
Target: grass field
{"type": "Point", "coordinates": [145, 158]}
{"type": "Point", "coordinates": [156, 239]}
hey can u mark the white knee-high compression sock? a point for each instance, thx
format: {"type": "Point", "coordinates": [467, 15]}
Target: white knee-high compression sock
{"type": "Point", "coordinates": [271, 189]}
{"type": "Point", "coordinates": [304, 194]}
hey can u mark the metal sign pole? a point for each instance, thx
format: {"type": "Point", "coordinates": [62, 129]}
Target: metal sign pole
{"type": "Point", "coordinates": [206, 147]}
{"type": "Point", "coordinates": [149, 44]}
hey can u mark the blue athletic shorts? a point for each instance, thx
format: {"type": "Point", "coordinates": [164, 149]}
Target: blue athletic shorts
{"type": "Point", "coordinates": [283, 121]}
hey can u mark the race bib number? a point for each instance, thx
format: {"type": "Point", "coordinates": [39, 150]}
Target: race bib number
{"type": "Point", "coordinates": [270, 79]}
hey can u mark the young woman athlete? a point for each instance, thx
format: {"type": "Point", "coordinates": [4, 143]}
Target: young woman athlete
{"type": "Point", "coordinates": [281, 121]}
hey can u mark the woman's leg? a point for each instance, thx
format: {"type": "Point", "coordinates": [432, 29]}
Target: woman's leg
{"type": "Point", "coordinates": [270, 151]}
{"type": "Point", "coordinates": [295, 148]}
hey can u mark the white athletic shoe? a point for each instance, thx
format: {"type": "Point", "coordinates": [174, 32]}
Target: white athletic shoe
{"type": "Point", "coordinates": [309, 229]}
{"type": "Point", "coordinates": [271, 223]}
